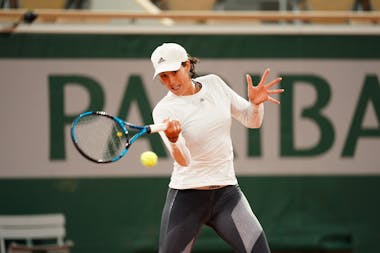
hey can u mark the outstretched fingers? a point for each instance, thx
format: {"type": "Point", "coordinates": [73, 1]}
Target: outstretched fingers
{"type": "Point", "coordinates": [275, 81]}
{"type": "Point", "coordinates": [249, 80]}
{"type": "Point", "coordinates": [276, 91]}
{"type": "Point", "coordinates": [260, 93]}
{"type": "Point", "coordinates": [269, 85]}
{"type": "Point", "coordinates": [249, 85]}
{"type": "Point", "coordinates": [273, 100]}
{"type": "Point", "coordinates": [264, 77]}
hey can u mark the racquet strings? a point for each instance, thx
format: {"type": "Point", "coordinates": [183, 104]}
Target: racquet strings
{"type": "Point", "coordinates": [100, 137]}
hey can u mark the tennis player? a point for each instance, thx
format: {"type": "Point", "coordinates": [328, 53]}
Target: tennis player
{"type": "Point", "coordinates": [203, 188]}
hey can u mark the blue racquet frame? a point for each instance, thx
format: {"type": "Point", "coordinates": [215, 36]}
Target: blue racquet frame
{"type": "Point", "coordinates": [142, 130]}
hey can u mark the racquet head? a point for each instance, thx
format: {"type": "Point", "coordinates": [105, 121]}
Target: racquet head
{"type": "Point", "coordinates": [100, 137]}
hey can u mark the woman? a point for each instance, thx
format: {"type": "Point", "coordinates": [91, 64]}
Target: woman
{"type": "Point", "coordinates": [203, 189]}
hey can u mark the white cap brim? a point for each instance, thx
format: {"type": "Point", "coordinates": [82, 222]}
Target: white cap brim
{"type": "Point", "coordinates": [169, 66]}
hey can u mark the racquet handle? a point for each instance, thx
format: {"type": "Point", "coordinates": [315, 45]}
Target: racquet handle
{"type": "Point", "coordinates": [157, 127]}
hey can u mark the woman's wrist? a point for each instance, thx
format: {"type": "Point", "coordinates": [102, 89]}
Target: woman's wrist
{"type": "Point", "coordinates": [256, 107]}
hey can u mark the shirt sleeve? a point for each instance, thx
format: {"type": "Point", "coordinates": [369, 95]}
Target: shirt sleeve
{"type": "Point", "coordinates": [247, 113]}
{"type": "Point", "coordinates": [179, 145]}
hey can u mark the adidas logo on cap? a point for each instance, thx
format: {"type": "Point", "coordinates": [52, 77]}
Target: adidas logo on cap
{"type": "Point", "coordinates": [161, 60]}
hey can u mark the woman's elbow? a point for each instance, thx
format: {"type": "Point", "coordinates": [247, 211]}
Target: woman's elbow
{"type": "Point", "coordinates": [255, 125]}
{"type": "Point", "coordinates": [259, 124]}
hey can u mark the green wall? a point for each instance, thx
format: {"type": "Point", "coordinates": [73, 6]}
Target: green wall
{"type": "Point", "coordinates": [122, 215]}
{"type": "Point", "coordinates": [204, 46]}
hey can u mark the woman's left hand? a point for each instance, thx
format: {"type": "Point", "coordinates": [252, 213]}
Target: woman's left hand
{"type": "Point", "coordinates": [260, 93]}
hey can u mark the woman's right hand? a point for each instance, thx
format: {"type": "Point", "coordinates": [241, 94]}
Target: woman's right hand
{"type": "Point", "coordinates": [173, 130]}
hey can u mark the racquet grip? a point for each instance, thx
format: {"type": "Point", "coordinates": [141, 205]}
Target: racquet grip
{"type": "Point", "coordinates": [157, 127]}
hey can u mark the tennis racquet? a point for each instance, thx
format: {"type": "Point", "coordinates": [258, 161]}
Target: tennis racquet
{"type": "Point", "coordinates": [103, 138]}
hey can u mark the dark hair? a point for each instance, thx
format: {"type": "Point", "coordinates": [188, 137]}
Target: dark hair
{"type": "Point", "coordinates": [193, 61]}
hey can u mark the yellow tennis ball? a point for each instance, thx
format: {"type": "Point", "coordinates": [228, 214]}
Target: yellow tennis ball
{"type": "Point", "coordinates": [119, 134]}
{"type": "Point", "coordinates": [148, 158]}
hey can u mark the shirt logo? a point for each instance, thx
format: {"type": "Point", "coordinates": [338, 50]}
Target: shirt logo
{"type": "Point", "coordinates": [161, 60]}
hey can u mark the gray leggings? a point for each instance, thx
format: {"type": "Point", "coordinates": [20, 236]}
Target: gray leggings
{"type": "Point", "coordinates": [226, 210]}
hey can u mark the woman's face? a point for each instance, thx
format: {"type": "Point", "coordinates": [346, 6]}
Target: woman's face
{"type": "Point", "coordinates": [179, 81]}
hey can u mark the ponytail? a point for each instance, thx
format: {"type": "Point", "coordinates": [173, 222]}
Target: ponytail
{"type": "Point", "coordinates": [193, 61]}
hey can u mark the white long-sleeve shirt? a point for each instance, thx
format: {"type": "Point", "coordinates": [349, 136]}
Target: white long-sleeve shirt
{"type": "Point", "coordinates": [205, 137]}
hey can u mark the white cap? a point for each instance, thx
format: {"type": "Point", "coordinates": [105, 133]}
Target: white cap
{"type": "Point", "coordinates": [168, 57]}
